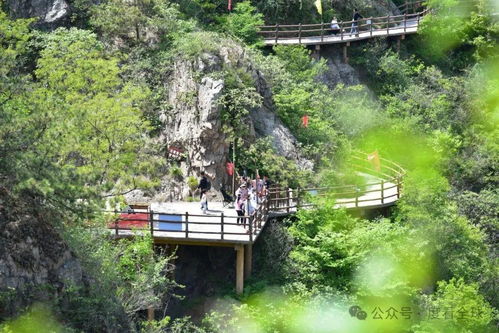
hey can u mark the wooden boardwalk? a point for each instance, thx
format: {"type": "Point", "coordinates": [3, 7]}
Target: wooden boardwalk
{"type": "Point", "coordinates": [183, 223]}
{"type": "Point", "coordinates": [347, 31]}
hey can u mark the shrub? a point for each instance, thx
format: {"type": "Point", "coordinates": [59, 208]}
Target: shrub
{"type": "Point", "coordinates": [192, 182]}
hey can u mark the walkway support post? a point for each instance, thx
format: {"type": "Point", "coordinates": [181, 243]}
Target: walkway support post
{"type": "Point", "coordinates": [341, 29]}
{"type": "Point", "coordinates": [276, 38]}
{"type": "Point", "coordinates": [251, 219]}
{"type": "Point", "coordinates": [299, 34]}
{"type": "Point", "coordinates": [357, 193]}
{"type": "Point", "coordinates": [222, 225]}
{"type": "Point", "coordinates": [186, 224]}
{"type": "Point", "coordinates": [382, 191]}
{"type": "Point", "coordinates": [151, 224]}
{"type": "Point", "coordinates": [289, 200]}
{"type": "Point", "coordinates": [345, 54]}
{"type": "Point", "coordinates": [371, 26]}
{"type": "Point", "coordinates": [239, 269]}
{"type": "Point", "coordinates": [248, 259]}
{"type": "Point", "coordinates": [150, 313]}
{"type": "Point", "coordinates": [398, 187]}
{"type": "Point", "coordinates": [388, 25]}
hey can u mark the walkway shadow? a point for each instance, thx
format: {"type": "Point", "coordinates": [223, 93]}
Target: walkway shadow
{"type": "Point", "coordinates": [213, 211]}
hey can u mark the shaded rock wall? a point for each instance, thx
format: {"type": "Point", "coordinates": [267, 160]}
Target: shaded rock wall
{"type": "Point", "coordinates": [32, 257]}
{"type": "Point", "coordinates": [49, 12]}
{"type": "Point", "coordinates": [37, 265]}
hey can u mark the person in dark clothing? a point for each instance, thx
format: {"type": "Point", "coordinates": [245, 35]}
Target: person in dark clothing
{"type": "Point", "coordinates": [204, 186]}
{"type": "Point", "coordinates": [356, 17]}
{"type": "Point", "coordinates": [266, 185]}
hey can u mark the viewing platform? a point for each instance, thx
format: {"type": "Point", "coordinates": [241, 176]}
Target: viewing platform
{"type": "Point", "coordinates": [183, 223]}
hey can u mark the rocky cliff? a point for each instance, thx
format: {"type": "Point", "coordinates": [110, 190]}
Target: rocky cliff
{"type": "Point", "coordinates": [32, 257]}
{"type": "Point", "coordinates": [37, 265]}
{"type": "Point", "coordinates": [193, 120]}
{"type": "Point", "coordinates": [48, 12]}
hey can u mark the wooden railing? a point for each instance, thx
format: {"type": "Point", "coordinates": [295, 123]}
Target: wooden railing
{"type": "Point", "coordinates": [191, 226]}
{"type": "Point", "coordinates": [222, 227]}
{"type": "Point", "coordinates": [366, 27]}
{"type": "Point", "coordinates": [385, 191]}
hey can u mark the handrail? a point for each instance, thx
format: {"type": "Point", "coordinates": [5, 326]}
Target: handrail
{"type": "Point", "coordinates": [322, 32]}
{"type": "Point", "coordinates": [277, 200]}
{"type": "Point", "coordinates": [390, 175]}
{"type": "Point", "coordinates": [187, 224]}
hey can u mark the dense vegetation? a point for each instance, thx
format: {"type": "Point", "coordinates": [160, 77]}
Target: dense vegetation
{"type": "Point", "coordinates": [79, 110]}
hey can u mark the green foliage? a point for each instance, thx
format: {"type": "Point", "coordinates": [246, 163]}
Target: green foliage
{"type": "Point", "coordinates": [482, 209]}
{"type": "Point", "coordinates": [206, 12]}
{"type": "Point", "coordinates": [95, 127]}
{"type": "Point", "coordinates": [243, 23]}
{"type": "Point", "coordinates": [238, 98]}
{"type": "Point", "coordinates": [470, 312]}
{"type": "Point", "coordinates": [298, 62]}
{"type": "Point", "coordinates": [291, 74]}
{"type": "Point", "coordinates": [262, 156]}
{"type": "Point", "coordinates": [192, 182]}
{"type": "Point", "coordinates": [175, 172]}
{"type": "Point", "coordinates": [130, 276]}
{"type": "Point", "coordinates": [73, 131]}
{"type": "Point", "coordinates": [141, 21]}
{"type": "Point", "coordinates": [456, 33]}
{"type": "Point", "coordinates": [37, 318]}
{"type": "Point", "coordinates": [196, 43]}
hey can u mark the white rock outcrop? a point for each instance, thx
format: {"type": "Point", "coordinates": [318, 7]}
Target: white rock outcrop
{"type": "Point", "coordinates": [193, 120]}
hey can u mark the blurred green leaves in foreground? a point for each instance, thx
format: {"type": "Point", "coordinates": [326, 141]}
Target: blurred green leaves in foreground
{"type": "Point", "coordinates": [37, 319]}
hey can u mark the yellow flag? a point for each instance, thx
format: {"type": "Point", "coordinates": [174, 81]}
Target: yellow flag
{"type": "Point", "coordinates": [373, 158]}
{"type": "Point", "coordinates": [318, 4]}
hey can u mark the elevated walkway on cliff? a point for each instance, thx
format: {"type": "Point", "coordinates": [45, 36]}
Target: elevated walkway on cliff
{"type": "Point", "coordinates": [182, 223]}
{"type": "Point", "coordinates": [367, 28]}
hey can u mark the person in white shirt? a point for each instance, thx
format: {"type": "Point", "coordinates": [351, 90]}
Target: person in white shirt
{"type": "Point", "coordinates": [335, 28]}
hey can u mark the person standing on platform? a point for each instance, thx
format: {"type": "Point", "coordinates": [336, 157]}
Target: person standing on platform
{"type": "Point", "coordinates": [259, 187]}
{"type": "Point", "coordinates": [335, 28]}
{"type": "Point", "coordinates": [355, 24]}
{"type": "Point", "coordinates": [204, 202]}
{"type": "Point", "coordinates": [241, 197]}
{"type": "Point", "coordinates": [204, 186]}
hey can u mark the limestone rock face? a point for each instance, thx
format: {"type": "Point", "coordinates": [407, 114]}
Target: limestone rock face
{"type": "Point", "coordinates": [48, 11]}
{"type": "Point", "coordinates": [193, 120]}
{"type": "Point", "coordinates": [337, 70]}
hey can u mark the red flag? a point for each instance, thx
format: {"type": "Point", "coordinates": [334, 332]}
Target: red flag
{"type": "Point", "coordinates": [230, 168]}
{"type": "Point", "coordinates": [304, 121]}
{"type": "Point", "coordinates": [229, 5]}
